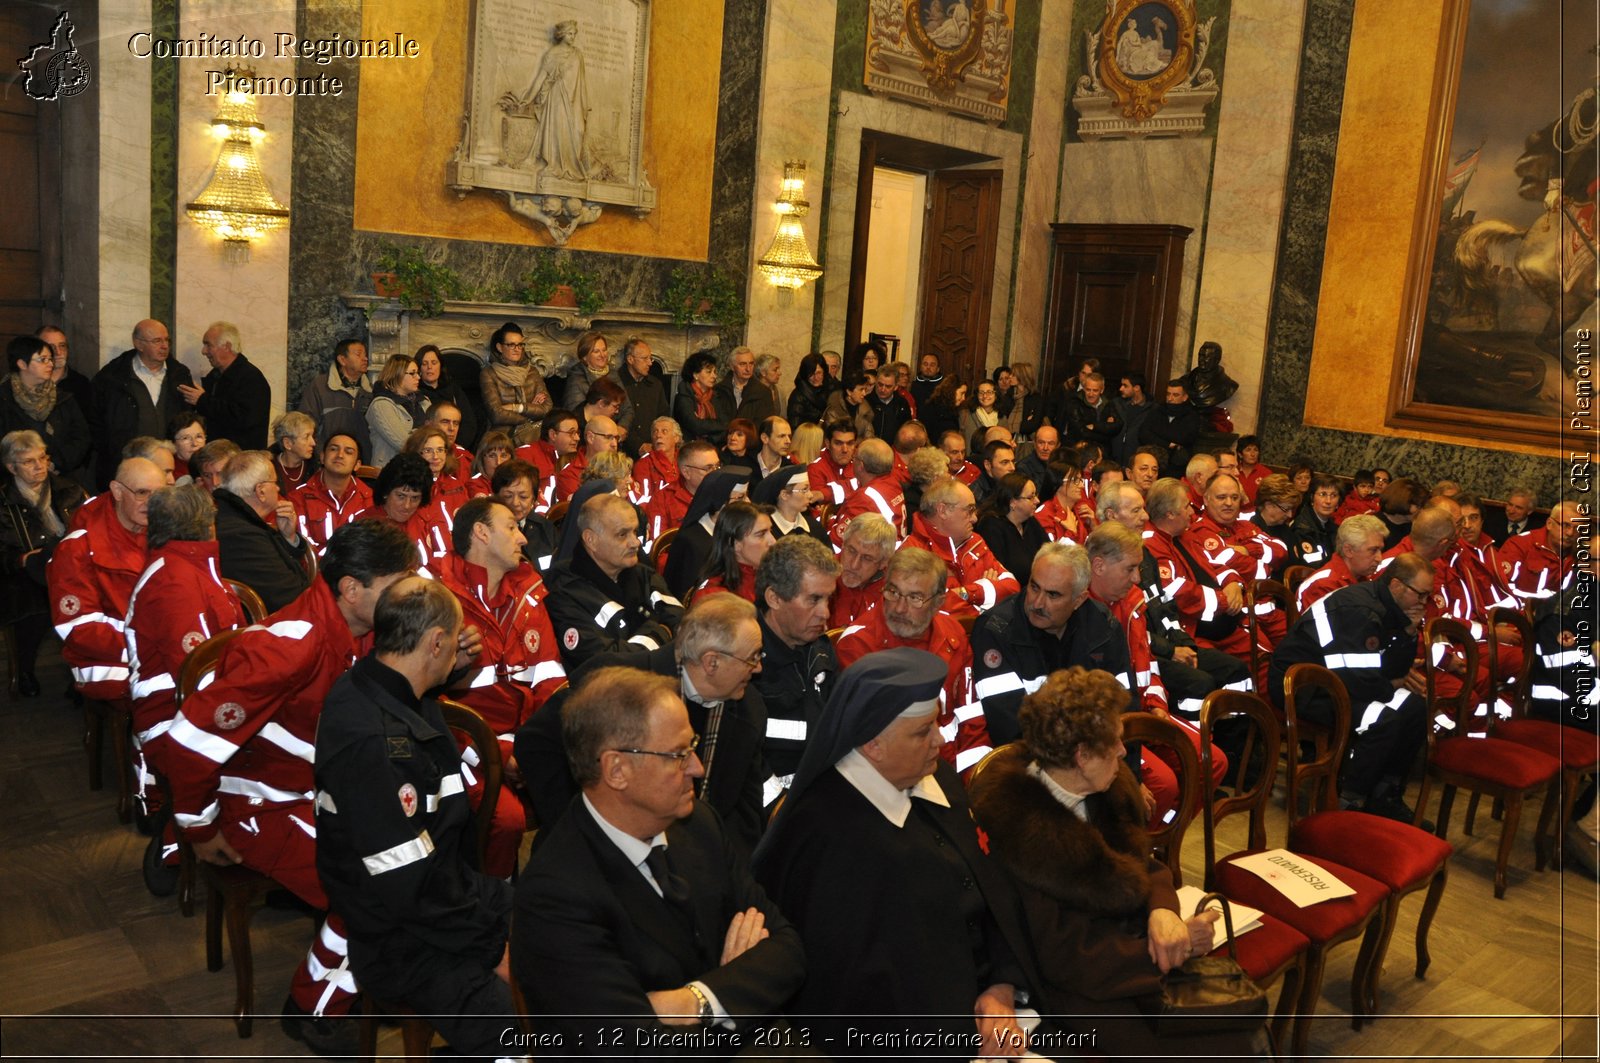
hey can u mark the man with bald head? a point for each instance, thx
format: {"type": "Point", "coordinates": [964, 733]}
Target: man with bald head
{"type": "Point", "coordinates": [1036, 465]}
{"type": "Point", "coordinates": [136, 394]}
{"type": "Point", "coordinates": [1539, 564]}
{"type": "Point", "coordinates": [880, 491]}
{"type": "Point", "coordinates": [600, 434]}
{"type": "Point", "coordinates": [91, 578]}
{"type": "Point", "coordinates": [234, 398]}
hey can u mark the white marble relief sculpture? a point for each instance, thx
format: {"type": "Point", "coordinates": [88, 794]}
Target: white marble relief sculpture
{"type": "Point", "coordinates": [1145, 72]}
{"type": "Point", "coordinates": [555, 110]}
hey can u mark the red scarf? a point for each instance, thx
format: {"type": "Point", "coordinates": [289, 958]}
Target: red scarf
{"type": "Point", "coordinates": [703, 407]}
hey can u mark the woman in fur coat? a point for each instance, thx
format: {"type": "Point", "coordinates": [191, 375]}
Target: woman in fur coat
{"type": "Point", "coordinates": [1065, 818]}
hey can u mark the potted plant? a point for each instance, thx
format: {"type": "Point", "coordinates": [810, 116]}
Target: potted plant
{"type": "Point", "coordinates": [553, 281]}
{"type": "Point", "coordinates": [405, 273]}
{"type": "Point", "coordinates": [700, 293]}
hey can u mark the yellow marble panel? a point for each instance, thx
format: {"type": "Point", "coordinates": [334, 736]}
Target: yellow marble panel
{"type": "Point", "coordinates": [1383, 146]}
{"type": "Point", "coordinates": [409, 123]}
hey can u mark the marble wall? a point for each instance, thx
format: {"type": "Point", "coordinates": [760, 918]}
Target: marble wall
{"type": "Point", "coordinates": [253, 295]}
{"type": "Point", "coordinates": [328, 256]}
{"type": "Point", "coordinates": [122, 219]}
{"type": "Point", "coordinates": [1246, 203]}
{"type": "Point", "coordinates": [1293, 321]}
{"type": "Point", "coordinates": [792, 125]}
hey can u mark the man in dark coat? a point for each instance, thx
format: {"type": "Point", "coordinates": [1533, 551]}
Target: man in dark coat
{"type": "Point", "coordinates": [396, 843]}
{"type": "Point", "coordinates": [726, 710]}
{"type": "Point", "coordinates": [258, 531]}
{"type": "Point", "coordinates": [234, 398]}
{"type": "Point", "coordinates": [337, 399]}
{"type": "Point", "coordinates": [888, 407]}
{"type": "Point", "coordinates": [645, 389]}
{"type": "Point", "coordinates": [638, 928]}
{"type": "Point", "coordinates": [794, 583]}
{"type": "Point", "coordinates": [907, 924]}
{"type": "Point", "coordinates": [136, 394]}
{"type": "Point", "coordinates": [602, 600]}
{"type": "Point", "coordinates": [1366, 634]}
{"type": "Point", "coordinates": [1173, 428]}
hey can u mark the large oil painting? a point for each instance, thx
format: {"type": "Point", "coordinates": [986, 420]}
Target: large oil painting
{"type": "Point", "coordinates": [1502, 303]}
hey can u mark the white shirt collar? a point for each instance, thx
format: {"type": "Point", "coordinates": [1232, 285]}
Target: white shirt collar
{"type": "Point", "coordinates": [1074, 803]}
{"type": "Point", "coordinates": [895, 804]}
{"type": "Point", "coordinates": [786, 526]}
{"type": "Point", "coordinates": [691, 694]}
{"type": "Point", "coordinates": [632, 848]}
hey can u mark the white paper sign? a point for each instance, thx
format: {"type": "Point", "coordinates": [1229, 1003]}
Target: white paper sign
{"type": "Point", "coordinates": [1301, 879]}
{"type": "Point", "coordinates": [1245, 918]}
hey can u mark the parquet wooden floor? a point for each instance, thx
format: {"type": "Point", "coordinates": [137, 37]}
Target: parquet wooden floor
{"type": "Point", "coordinates": [92, 966]}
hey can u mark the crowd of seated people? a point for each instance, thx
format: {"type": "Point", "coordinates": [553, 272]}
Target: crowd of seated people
{"type": "Point", "coordinates": [697, 652]}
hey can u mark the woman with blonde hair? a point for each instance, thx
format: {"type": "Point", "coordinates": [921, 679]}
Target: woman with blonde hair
{"type": "Point", "coordinates": [396, 409]}
{"type": "Point", "coordinates": [807, 443]}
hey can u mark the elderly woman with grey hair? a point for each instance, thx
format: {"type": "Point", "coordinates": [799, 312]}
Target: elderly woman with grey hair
{"type": "Point", "coordinates": [294, 450]}
{"type": "Point", "coordinates": [37, 510]}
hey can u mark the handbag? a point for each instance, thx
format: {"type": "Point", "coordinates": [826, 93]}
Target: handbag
{"type": "Point", "coordinates": [1208, 994]}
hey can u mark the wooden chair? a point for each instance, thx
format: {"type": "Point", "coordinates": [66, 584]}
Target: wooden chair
{"type": "Point", "coordinates": [255, 610]}
{"type": "Point", "coordinates": [1149, 729]}
{"type": "Point", "coordinates": [658, 549]}
{"type": "Point", "coordinates": [1324, 925]}
{"type": "Point", "coordinates": [1502, 769]}
{"type": "Point", "coordinates": [98, 717]}
{"type": "Point", "coordinates": [1264, 591]}
{"type": "Point", "coordinates": [1577, 748]}
{"type": "Point", "coordinates": [1295, 575]}
{"type": "Point", "coordinates": [416, 1032]}
{"type": "Point", "coordinates": [1402, 857]}
{"type": "Point", "coordinates": [558, 512]}
{"type": "Point", "coordinates": [232, 893]}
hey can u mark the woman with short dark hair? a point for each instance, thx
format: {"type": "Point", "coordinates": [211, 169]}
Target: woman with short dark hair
{"type": "Point", "coordinates": [695, 406]}
{"type": "Point", "coordinates": [32, 402]}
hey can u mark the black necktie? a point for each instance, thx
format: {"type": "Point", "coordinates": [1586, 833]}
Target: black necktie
{"type": "Point", "coordinates": [673, 887]}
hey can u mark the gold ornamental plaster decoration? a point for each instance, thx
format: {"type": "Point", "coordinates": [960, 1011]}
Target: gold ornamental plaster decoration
{"type": "Point", "coordinates": [1146, 72]}
{"type": "Point", "coordinates": [953, 55]}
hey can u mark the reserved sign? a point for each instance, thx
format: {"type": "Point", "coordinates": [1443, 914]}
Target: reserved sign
{"type": "Point", "coordinates": [1299, 878]}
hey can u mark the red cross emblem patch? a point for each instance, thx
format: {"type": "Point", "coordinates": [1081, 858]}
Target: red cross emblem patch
{"type": "Point", "coordinates": [570, 638]}
{"type": "Point", "coordinates": [530, 639]}
{"type": "Point", "coordinates": [69, 605]}
{"type": "Point", "coordinates": [408, 800]}
{"type": "Point", "coordinates": [229, 714]}
{"type": "Point", "coordinates": [191, 640]}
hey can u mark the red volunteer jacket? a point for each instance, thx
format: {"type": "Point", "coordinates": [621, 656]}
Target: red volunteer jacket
{"type": "Point", "coordinates": [178, 603]}
{"type": "Point", "coordinates": [321, 514]}
{"type": "Point", "coordinates": [834, 483]}
{"type": "Point", "coordinates": [91, 578]}
{"type": "Point", "coordinates": [247, 740]}
{"type": "Point", "coordinates": [966, 564]}
{"type": "Point", "coordinates": [1531, 568]}
{"type": "Point", "coordinates": [961, 722]}
{"type": "Point", "coordinates": [882, 496]}
{"type": "Point", "coordinates": [520, 666]}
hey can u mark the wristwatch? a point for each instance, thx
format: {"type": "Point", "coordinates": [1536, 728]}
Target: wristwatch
{"type": "Point", "coordinates": [706, 1014]}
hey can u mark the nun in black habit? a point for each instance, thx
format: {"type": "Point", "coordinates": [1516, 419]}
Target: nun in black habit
{"type": "Point", "coordinates": [686, 557]}
{"type": "Point", "coordinates": [788, 492]}
{"type": "Point", "coordinates": [914, 940]}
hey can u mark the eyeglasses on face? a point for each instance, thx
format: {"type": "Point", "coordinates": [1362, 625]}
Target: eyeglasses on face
{"type": "Point", "coordinates": [679, 756]}
{"type": "Point", "coordinates": [891, 593]}
{"type": "Point", "coordinates": [751, 662]}
{"type": "Point", "coordinates": [515, 346]}
{"type": "Point", "coordinates": [140, 493]}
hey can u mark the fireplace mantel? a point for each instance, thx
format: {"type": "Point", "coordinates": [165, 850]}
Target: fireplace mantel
{"type": "Point", "coordinates": [551, 332]}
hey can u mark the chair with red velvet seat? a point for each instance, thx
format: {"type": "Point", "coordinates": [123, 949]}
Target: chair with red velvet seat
{"type": "Point", "coordinates": [1148, 730]}
{"type": "Point", "coordinates": [1577, 749]}
{"type": "Point", "coordinates": [1402, 857]}
{"type": "Point", "coordinates": [1489, 765]}
{"type": "Point", "coordinates": [1325, 924]}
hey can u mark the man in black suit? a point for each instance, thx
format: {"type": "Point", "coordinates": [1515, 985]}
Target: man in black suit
{"type": "Point", "coordinates": [1173, 428]}
{"type": "Point", "coordinates": [1517, 517]}
{"type": "Point", "coordinates": [136, 394]}
{"type": "Point", "coordinates": [713, 657]}
{"type": "Point", "coordinates": [638, 928]}
{"type": "Point", "coordinates": [234, 398]}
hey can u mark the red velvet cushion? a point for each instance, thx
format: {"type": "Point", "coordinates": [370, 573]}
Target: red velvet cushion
{"type": "Point", "coordinates": [1575, 748]}
{"type": "Point", "coordinates": [1396, 854]}
{"type": "Point", "coordinates": [1266, 948]}
{"type": "Point", "coordinates": [1321, 922]}
{"type": "Point", "coordinates": [1496, 761]}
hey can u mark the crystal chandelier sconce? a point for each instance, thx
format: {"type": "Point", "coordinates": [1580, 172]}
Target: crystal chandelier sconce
{"type": "Point", "coordinates": [237, 205]}
{"type": "Point", "coordinates": [788, 264]}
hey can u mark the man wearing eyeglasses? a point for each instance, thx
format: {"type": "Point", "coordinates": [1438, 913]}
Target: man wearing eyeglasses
{"type": "Point", "coordinates": [136, 394]}
{"type": "Point", "coordinates": [977, 580]}
{"type": "Point", "coordinates": [259, 531]}
{"type": "Point", "coordinates": [67, 378]}
{"type": "Point", "coordinates": [557, 443]}
{"type": "Point", "coordinates": [1366, 634]}
{"type": "Point", "coordinates": [600, 434]}
{"type": "Point", "coordinates": [910, 615]}
{"type": "Point", "coordinates": [636, 910]}
{"type": "Point", "coordinates": [670, 504]}
{"type": "Point", "coordinates": [91, 577]}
